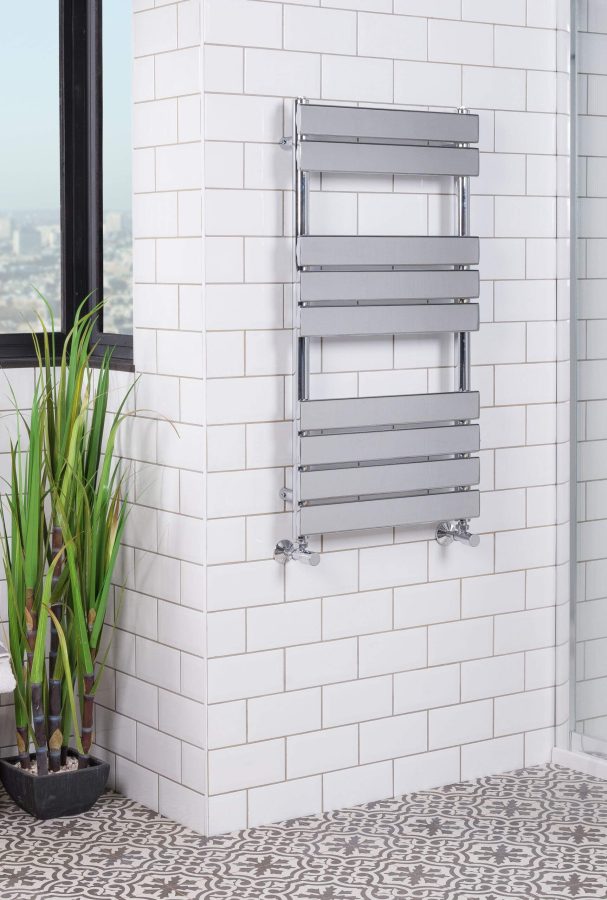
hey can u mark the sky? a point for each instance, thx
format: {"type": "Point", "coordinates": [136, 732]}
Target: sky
{"type": "Point", "coordinates": [29, 104]}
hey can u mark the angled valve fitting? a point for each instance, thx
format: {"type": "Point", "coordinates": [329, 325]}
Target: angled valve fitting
{"type": "Point", "coordinates": [447, 532]}
{"type": "Point", "coordinates": [286, 550]}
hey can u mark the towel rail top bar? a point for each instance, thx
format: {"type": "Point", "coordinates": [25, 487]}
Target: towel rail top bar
{"type": "Point", "coordinates": [385, 124]}
{"type": "Point", "coordinates": [371, 462]}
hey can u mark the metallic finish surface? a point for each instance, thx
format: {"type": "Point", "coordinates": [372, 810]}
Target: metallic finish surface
{"type": "Point", "coordinates": [386, 124]}
{"type": "Point", "coordinates": [376, 159]}
{"type": "Point", "coordinates": [358, 412]}
{"type": "Point", "coordinates": [389, 285]}
{"type": "Point", "coordinates": [357, 285]}
{"type": "Point", "coordinates": [324, 321]}
{"type": "Point", "coordinates": [391, 512]}
{"type": "Point", "coordinates": [385, 445]}
{"type": "Point", "coordinates": [393, 479]}
{"type": "Point", "coordinates": [386, 250]}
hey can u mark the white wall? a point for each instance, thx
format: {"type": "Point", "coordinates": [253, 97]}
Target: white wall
{"type": "Point", "coordinates": [396, 664]}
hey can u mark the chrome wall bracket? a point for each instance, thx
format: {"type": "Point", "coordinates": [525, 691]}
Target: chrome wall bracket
{"type": "Point", "coordinates": [448, 532]}
{"type": "Point", "coordinates": [286, 550]}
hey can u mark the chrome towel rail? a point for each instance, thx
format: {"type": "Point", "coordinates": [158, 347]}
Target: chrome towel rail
{"type": "Point", "coordinates": [371, 462]}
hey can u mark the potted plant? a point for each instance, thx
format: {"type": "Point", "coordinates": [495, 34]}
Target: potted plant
{"type": "Point", "coordinates": [63, 521]}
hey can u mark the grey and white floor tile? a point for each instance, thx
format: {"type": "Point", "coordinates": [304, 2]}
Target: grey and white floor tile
{"type": "Point", "coordinates": [536, 833]}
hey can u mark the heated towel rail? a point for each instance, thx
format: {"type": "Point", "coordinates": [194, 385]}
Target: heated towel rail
{"type": "Point", "coordinates": [369, 462]}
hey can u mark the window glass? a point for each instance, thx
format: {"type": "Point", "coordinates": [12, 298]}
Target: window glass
{"type": "Point", "coordinates": [30, 239]}
{"type": "Point", "coordinates": [117, 164]}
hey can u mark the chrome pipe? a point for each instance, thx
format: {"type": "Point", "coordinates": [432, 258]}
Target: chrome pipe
{"type": "Point", "coordinates": [303, 368]}
{"type": "Point", "coordinates": [459, 531]}
{"type": "Point", "coordinates": [302, 189]}
{"type": "Point", "coordinates": [463, 356]}
{"type": "Point", "coordinates": [302, 227]}
{"type": "Point", "coordinates": [463, 230]}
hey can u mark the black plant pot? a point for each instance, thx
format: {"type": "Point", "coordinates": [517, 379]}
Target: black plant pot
{"type": "Point", "coordinates": [61, 794]}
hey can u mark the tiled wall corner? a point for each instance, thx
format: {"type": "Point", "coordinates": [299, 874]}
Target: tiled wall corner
{"type": "Point", "coordinates": [152, 720]}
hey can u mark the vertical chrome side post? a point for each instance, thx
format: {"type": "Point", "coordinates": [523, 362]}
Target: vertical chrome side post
{"type": "Point", "coordinates": [297, 549]}
{"type": "Point", "coordinates": [447, 532]}
{"type": "Point", "coordinates": [463, 230]}
{"type": "Point", "coordinates": [302, 226]}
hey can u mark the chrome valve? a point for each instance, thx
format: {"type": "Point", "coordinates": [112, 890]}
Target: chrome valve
{"type": "Point", "coordinates": [447, 532]}
{"type": "Point", "coordinates": [286, 550]}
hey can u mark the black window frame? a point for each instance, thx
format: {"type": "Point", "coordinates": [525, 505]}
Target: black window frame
{"type": "Point", "coordinates": [81, 161]}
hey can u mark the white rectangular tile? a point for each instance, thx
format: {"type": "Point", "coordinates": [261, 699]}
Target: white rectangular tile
{"type": "Point", "coordinates": [245, 675]}
{"type": "Point", "coordinates": [492, 757]}
{"type": "Point", "coordinates": [460, 42]}
{"type": "Point", "coordinates": [394, 37]}
{"type": "Point", "coordinates": [525, 48]}
{"type": "Point", "coordinates": [523, 712]}
{"type": "Point", "coordinates": [322, 751]}
{"type": "Point", "coordinates": [227, 724]}
{"type": "Point", "coordinates": [293, 712]}
{"type": "Point", "coordinates": [324, 663]}
{"type": "Point", "coordinates": [320, 30]}
{"type": "Point", "coordinates": [357, 701]}
{"type": "Point", "coordinates": [235, 768]}
{"type": "Point", "coordinates": [425, 771]}
{"type": "Point", "coordinates": [457, 641]}
{"type": "Point", "coordinates": [463, 724]}
{"type": "Point", "coordinates": [392, 651]}
{"type": "Point", "coordinates": [289, 800]}
{"type": "Point", "coordinates": [393, 737]}
{"type": "Point", "coordinates": [492, 677]}
{"type": "Point", "coordinates": [361, 79]}
{"type": "Point", "coordinates": [358, 785]}
{"type": "Point", "coordinates": [426, 688]}
{"type": "Point", "coordinates": [283, 625]}
{"type": "Point", "coordinates": [238, 22]}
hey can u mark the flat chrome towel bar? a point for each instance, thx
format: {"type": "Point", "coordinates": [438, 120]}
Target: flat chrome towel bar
{"type": "Point", "coordinates": [373, 462]}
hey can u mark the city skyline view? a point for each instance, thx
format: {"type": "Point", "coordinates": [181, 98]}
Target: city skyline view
{"type": "Point", "coordinates": [30, 238]}
{"type": "Point", "coordinates": [30, 262]}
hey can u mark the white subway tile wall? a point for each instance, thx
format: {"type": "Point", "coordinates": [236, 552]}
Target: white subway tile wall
{"type": "Point", "coordinates": [396, 665]}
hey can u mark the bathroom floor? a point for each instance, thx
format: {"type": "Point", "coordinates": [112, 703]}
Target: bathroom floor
{"type": "Point", "coordinates": [540, 832]}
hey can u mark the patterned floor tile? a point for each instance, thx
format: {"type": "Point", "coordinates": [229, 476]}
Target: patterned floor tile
{"type": "Point", "coordinates": [537, 833]}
